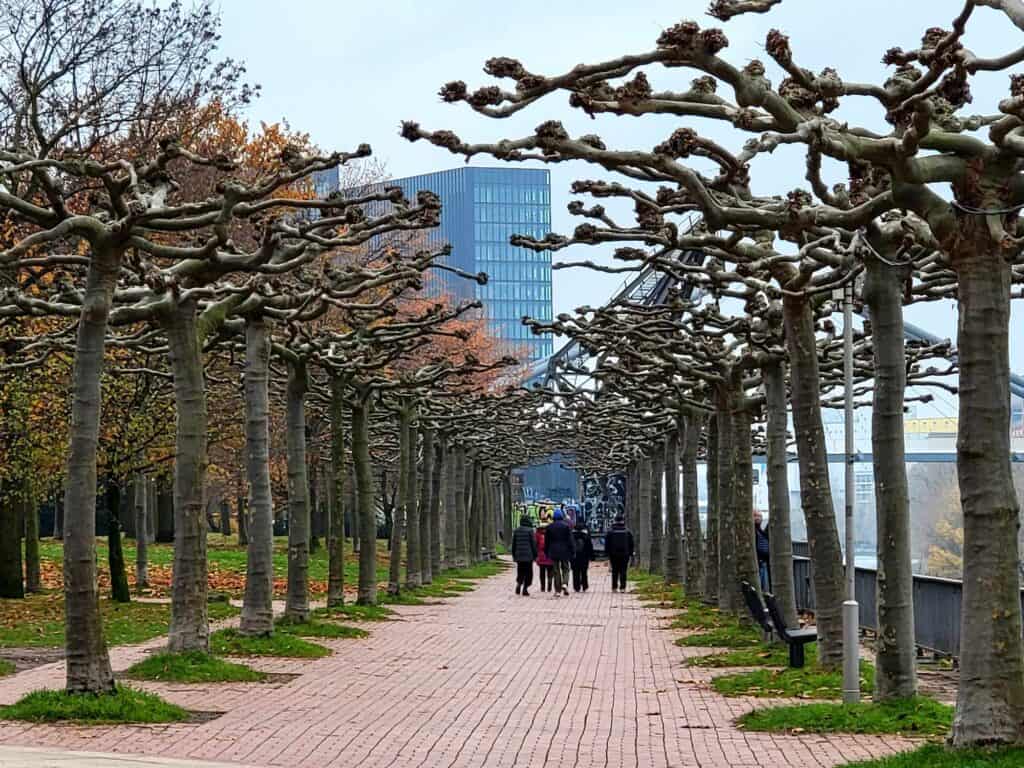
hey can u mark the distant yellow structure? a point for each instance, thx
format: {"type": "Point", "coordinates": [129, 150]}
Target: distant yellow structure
{"type": "Point", "coordinates": [937, 426]}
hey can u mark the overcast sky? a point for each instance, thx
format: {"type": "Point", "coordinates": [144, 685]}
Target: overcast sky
{"type": "Point", "coordinates": [349, 72]}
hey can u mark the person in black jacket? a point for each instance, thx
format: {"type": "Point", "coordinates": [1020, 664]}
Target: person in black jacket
{"type": "Point", "coordinates": [524, 552]}
{"type": "Point", "coordinates": [584, 554]}
{"type": "Point", "coordinates": [559, 547]}
{"type": "Point", "coordinates": [618, 544]}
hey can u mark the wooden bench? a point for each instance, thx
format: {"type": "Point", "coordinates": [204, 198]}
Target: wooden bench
{"type": "Point", "coordinates": [757, 609]}
{"type": "Point", "coordinates": [795, 637]}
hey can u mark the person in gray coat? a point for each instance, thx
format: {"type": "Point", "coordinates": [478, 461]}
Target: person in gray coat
{"type": "Point", "coordinates": [524, 552]}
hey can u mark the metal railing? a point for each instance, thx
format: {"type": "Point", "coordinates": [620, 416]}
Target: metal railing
{"type": "Point", "coordinates": [936, 603]}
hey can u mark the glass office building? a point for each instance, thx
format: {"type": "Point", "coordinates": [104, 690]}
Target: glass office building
{"type": "Point", "coordinates": [481, 208]}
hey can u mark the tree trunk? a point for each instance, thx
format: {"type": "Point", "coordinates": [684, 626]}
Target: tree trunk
{"type": "Point", "coordinates": [990, 703]}
{"type": "Point", "coordinates": [165, 513]}
{"type": "Point", "coordinates": [449, 513]}
{"type": "Point", "coordinates": [426, 490]}
{"type": "Point", "coordinates": [339, 474]}
{"type": "Point", "coordinates": [895, 652]}
{"type": "Point", "coordinates": [780, 537]}
{"type": "Point", "coordinates": [127, 514]}
{"type": "Point", "coordinates": [414, 551]}
{"type": "Point", "coordinates": [257, 604]}
{"type": "Point", "coordinates": [402, 502]}
{"type": "Point", "coordinates": [33, 573]}
{"type": "Point", "coordinates": [711, 555]}
{"type": "Point", "coordinates": [675, 565]}
{"type": "Point", "coordinates": [11, 583]}
{"type": "Point", "coordinates": [190, 629]}
{"type": "Point", "coordinates": [506, 507]}
{"type": "Point", "coordinates": [119, 591]}
{"type": "Point", "coordinates": [690, 438]}
{"type": "Point", "coordinates": [434, 514]}
{"type": "Point", "coordinates": [297, 601]}
{"type": "Point", "coordinates": [367, 516]}
{"type": "Point", "coordinates": [141, 533]}
{"type": "Point", "coordinates": [225, 518]}
{"type": "Point", "coordinates": [657, 515]}
{"type": "Point", "coordinates": [241, 513]}
{"type": "Point", "coordinates": [58, 515]}
{"type": "Point", "coordinates": [815, 490]}
{"type": "Point", "coordinates": [728, 589]}
{"type": "Point", "coordinates": [643, 527]}
{"type": "Point", "coordinates": [88, 664]}
{"type": "Point", "coordinates": [743, 506]}
{"type": "Point", "coordinates": [461, 519]}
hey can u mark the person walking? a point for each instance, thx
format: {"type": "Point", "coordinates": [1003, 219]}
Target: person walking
{"type": "Point", "coordinates": [584, 554]}
{"type": "Point", "coordinates": [524, 552]}
{"type": "Point", "coordinates": [618, 543]}
{"type": "Point", "coordinates": [544, 564]}
{"type": "Point", "coordinates": [763, 552]}
{"type": "Point", "coordinates": [558, 543]}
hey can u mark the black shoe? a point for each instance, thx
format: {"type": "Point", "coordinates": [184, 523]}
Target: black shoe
{"type": "Point", "coordinates": [517, 588]}
{"type": "Point", "coordinates": [526, 593]}
{"type": "Point", "coordinates": [565, 591]}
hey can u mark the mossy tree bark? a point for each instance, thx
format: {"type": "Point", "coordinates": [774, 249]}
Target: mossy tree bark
{"type": "Point", "coordinates": [119, 591]}
{"type": "Point", "coordinates": [87, 661]}
{"type": "Point", "coordinates": [990, 703]}
{"type": "Point", "coordinates": [895, 651]}
{"type": "Point", "coordinates": [780, 536]}
{"type": "Point", "coordinates": [367, 515]}
{"type": "Point", "coordinates": [461, 516]}
{"type": "Point", "coordinates": [297, 600]}
{"type": "Point", "coordinates": [405, 417]}
{"type": "Point", "coordinates": [257, 604]}
{"type": "Point", "coordinates": [815, 489]}
{"type": "Point", "coordinates": [675, 565]}
{"type": "Point", "coordinates": [12, 584]}
{"type": "Point", "coordinates": [728, 591]}
{"type": "Point", "coordinates": [643, 523]}
{"type": "Point", "coordinates": [743, 510]}
{"type": "Point", "coordinates": [141, 505]}
{"type": "Point", "coordinates": [336, 487]}
{"type": "Point", "coordinates": [33, 572]}
{"type": "Point", "coordinates": [689, 436]}
{"type": "Point", "coordinates": [426, 479]}
{"type": "Point", "coordinates": [657, 545]}
{"type": "Point", "coordinates": [190, 629]}
{"type": "Point", "coordinates": [434, 513]}
{"type": "Point", "coordinates": [711, 554]}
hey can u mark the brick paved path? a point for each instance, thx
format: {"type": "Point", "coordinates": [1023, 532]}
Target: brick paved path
{"type": "Point", "coordinates": [488, 679]}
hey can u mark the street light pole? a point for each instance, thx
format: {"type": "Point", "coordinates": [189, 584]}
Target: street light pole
{"type": "Point", "coordinates": [851, 612]}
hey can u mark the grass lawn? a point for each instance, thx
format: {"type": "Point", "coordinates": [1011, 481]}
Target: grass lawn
{"type": "Point", "coordinates": [935, 756]}
{"type": "Point", "coordinates": [353, 612]}
{"type": "Point", "coordinates": [912, 717]}
{"type": "Point", "coordinates": [226, 563]}
{"type": "Point", "coordinates": [6, 667]}
{"type": "Point", "coordinates": [126, 705]}
{"type": "Point", "coordinates": [450, 583]}
{"type": "Point", "coordinates": [729, 635]}
{"type": "Point", "coordinates": [318, 629]}
{"type": "Point", "coordinates": [809, 682]}
{"type": "Point", "coordinates": [760, 656]}
{"type": "Point", "coordinates": [193, 667]}
{"type": "Point", "coordinates": [38, 620]}
{"type": "Point", "coordinates": [228, 642]}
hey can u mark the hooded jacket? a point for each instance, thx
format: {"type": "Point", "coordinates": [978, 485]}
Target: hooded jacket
{"type": "Point", "coordinates": [524, 545]}
{"type": "Point", "coordinates": [584, 546]}
{"type": "Point", "coordinates": [558, 541]}
{"type": "Point", "coordinates": [618, 542]}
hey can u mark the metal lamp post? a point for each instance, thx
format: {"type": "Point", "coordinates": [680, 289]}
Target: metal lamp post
{"type": "Point", "coordinates": [851, 612]}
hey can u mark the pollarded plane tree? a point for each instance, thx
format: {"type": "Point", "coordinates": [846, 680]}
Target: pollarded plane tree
{"type": "Point", "coordinates": [977, 156]}
{"type": "Point", "coordinates": [370, 362]}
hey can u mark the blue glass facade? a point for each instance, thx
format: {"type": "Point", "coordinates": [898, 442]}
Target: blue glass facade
{"type": "Point", "coordinates": [481, 208]}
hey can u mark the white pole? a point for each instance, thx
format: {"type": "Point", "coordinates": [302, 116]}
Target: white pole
{"type": "Point", "coordinates": [851, 612]}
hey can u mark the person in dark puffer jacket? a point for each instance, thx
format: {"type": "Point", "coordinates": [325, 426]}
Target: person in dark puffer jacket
{"type": "Point", "coordinates": [618, 544]}
{"type": "Point", "coordinates": [559, 546]}
{"type": "Point", "coordinates": [584, 554]}
{"type": "Point", "coordinates": [524, 552]}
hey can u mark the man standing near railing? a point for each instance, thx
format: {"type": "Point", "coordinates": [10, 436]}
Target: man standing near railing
{"type": "Point", "coordinates": [763, 552]}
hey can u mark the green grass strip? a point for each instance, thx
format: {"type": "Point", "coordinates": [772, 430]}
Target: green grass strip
{"type": "Point", "coordinates": [125, 705]}
{"type": "Point", "coordinates": [229, 642]}
{"type": "Point", "coordinates": [6, 667]}
{"type": "Point", "coordinates": [911, 717]}
{"type": "Point", "coordinates": [193, 667]}
{"type": "Point", "coordinates": [760, 656]}
{"type": "Point", "coordinates": [356, 613]}
{"type": "Point", "coordinates": [935, 756]}
{"type": "Point", "coordinates": [319, 629]}
{"type": "Point", "coordinates": [725, 636]}
{"type": "Point", "coordinates": [810, 682]}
